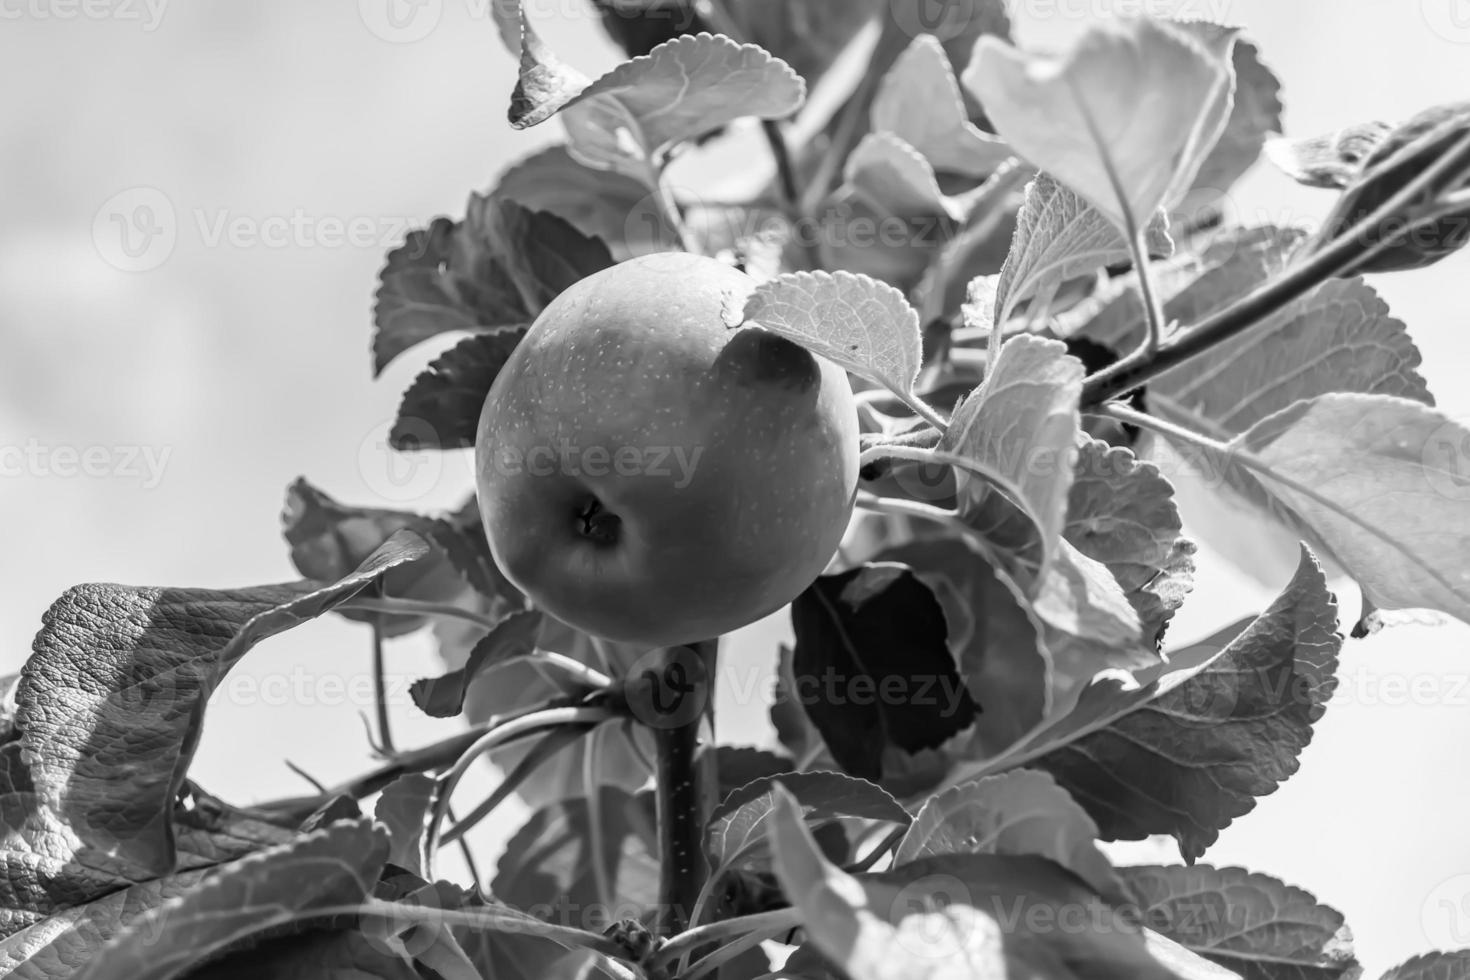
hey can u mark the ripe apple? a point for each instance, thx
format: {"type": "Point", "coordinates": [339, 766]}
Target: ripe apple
{"type": "Point", "coordinates": [648, 474]}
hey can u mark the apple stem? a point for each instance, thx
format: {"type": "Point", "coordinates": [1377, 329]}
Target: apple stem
{"type": "Point", "coordinates": [681, 795]}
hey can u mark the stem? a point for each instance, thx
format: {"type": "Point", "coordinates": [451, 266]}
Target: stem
{"type": "Point", "coordinates": [592, 788]}
{"type": "Point", "coordinates": [671, 213]}
{"type": "Point", "coordinates": [1337, 258]}
{"type": "Point", "coordinates": [1153, 311]}
{"type": "Point", "coordinates": [495, 737]}
{"type": "Point", "coordinates": [543, 750]}
{"type": "Point", "coordinates": [885, 845]}
{"type": "Point", "coordinates": [678, 793]}
{"type": "Point", "coordinates": [686, 942]}
{"type": "Point", "coordinates": [785, 172]}
{"type": "Point", "coordinates": [464, 849]}
{"type": "Point", "coordinates": [417, 607]}
{"type": "Point", "coordinates": [380, 693]}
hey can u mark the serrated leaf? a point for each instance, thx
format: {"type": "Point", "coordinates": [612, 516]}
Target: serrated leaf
{"type": "Point", "coordinates": [1381, 482]}
{"type": "Point", "coordinates": [872, 666]}
{"type": "Point", "coordinates": [889, 216]}
{"type": "Point", "coordinates": [281, 886]}
{"type": "Point", "coordinates": [965, 915]}
{"type": "Point", "coordinates": [1255, 115]}
{"type": "Point", "coordinates": [856, 322]}
{"type": "Point", "coordinates": [993, 635]}
{"type": "Point", "coordinates": [1454, 965]}
{"type": "Point", "coordinates": [1090, 624]}
{"type": "Point", "coordinates": [1185, 752]}
{"type": "Point", "coordinates": [941, 131]}
{"type": "Point", "coordinates": [735, 835]}
{"type": "Point", "coordinates": [112, 699]}
{"type": "Point", "coordinates": [1023, 425]}
{"type": "Point", "coordinates": [1339, 338]}
{"type": "Point", "coordinates": [403, 809]}
{"type": "Point", "coordinates": [1121, 512]}
{"type": "Point", "coordinates": [1060, 237]}
{"type": "Point", "coordinates": [1252, 924]}
{"type": "Point", "coordinates": [441, 409]}
{"type": "Point", "coordinates": [685, 87]}
{"type": "Point", "coordinates": [1331, 160]}
{"type": "Point", "coordinates": [495, 270]}
{"type": "Point", "coordinates": [890, 180]}
{"type": "Point", "coordinates": [514, 636]}
{"type": "Point", "coordinates": [329, 539]}
{"type": "Point", "coordinates": [1019, 812]}
{"type": "Point", "coordinates": [1125, 118]}
{"type": "Point", "coordinates": [610, 206]}
{"type": "Point", "coordinates": [809, 35]}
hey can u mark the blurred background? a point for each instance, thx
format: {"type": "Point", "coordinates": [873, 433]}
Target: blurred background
{"type": "Point", "coordinates": [195, 199]}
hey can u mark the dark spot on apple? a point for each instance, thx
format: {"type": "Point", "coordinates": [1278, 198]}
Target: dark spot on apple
{"type": "Point", "coordinates": [598, 524]}
{"type": "Point", "coordinates": [758, 358]}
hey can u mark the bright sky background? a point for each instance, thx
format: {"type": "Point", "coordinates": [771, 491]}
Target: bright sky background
{"type": "Point", "coordinates": [243, 358]}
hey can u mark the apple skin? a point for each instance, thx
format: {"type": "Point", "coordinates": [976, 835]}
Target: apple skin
{"type": "Point", "coordinates": [649, 475]}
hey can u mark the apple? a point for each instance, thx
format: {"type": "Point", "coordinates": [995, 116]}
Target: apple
{"type": "Point", "coordinates": [649, 475]}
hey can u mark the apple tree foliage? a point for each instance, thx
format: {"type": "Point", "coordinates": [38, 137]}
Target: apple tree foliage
{"type": "Point", "coordinates": [1065, 324]}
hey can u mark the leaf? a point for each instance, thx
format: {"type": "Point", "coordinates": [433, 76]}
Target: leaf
{"type": "Point", "coordinates": [958, 915]}
{"type": "Point", "coordinates": [856, 322]}
{"type": "Point", "coordinates": [345, 955]}
{"type": "Point", "coordinates": [941, 131]}
{"type": "Point", "coordinates": [1125, 118]}
{"type": "Point", "coordinates": [1060, 237]}
{"type": "Point", "coordinates": [495, 270]}
{"type": "Point", "coordinates": [547, 869]}
{"type": "Point", "coordinates": [809, 35]}
{"type": "Point", "coordinates": [609, 206]}
{"type": "Point", "coordinates": [1249, 923]}
{"type": "Point", "coordinates": [735, 835]}
{"type": "Point", "coordinates": [993, 635]}
{"type": "Point", "coordinates": [1019, 812]}
{"type": "Point", "coordinates": [888, 217]}
{"type": "Point", "coordinates": [1023, 425]}
{"type": "Point", "coordinates": [461, 536]}
{"type": "Point", "coordinates": [685, 87]}
{"type": "Point", "coordinates": [403, 810]}
{"type": "Point", "coordinates": [1408, 150]}
{"type": "Point", "coordinates": [1187, 755]}
{"type": "Point", "coordinates": [441, 409]}
{"type": "Point", "coordinates": [1330, 160]}
{"type": "Point", "coordinates": [1339, 338]}
{"type": "Point", "coordinates": [1381, 481]}
{"type": "Point", "coordinates": [872, 667]}
{"type": "Point", "coordinates": [958, 24]}
{"type": "Point", "coordinates": [1121, 512]}
{"type": "Point", "coordinates": [545, 83]}
{"type": "Point", "coordinates": [514, 636]}
{"type": "Point", "coordinates": [281, 886]}
{"type": "Point", "coordinates": [112, 699]}
{"type": "Point", "coordinates": [329, 539]}
{"type": "Point", "coordinates": [1454, 965]}
{"type": "Point", "coordinates": [1255, 114]}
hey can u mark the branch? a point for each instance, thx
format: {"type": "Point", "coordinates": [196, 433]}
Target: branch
{"type": "Point", "coordinates": [677, 781]}
{"type": "Point", "coordinates": [1339, 257]}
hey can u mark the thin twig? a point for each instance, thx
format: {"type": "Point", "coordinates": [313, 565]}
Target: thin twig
{"type": "Point", "coordinates": [493, 738]}
{"type": "Point", "coordinates": [416, 607]}
{"type": "Point", "coordinates": [548, 746]}
{"type": "Point", "coordinates": [380, 691]}
{"type": "Point", "coordinates": [778, 920]}
{"type": "Point", "coordinates": [1339, 256]}
{"type": "Point", "coordinates": [464, 849]}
